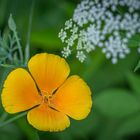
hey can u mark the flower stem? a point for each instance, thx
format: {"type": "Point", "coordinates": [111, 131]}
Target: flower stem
{"type": "Point", "coordinates": [27, 48]}
{"type": "Point", "coordinates": [19, 46]}
{"type": "Point", "coordinates": [12, 119]}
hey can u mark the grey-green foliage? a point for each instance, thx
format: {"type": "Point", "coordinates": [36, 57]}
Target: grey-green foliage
{"type": "Point", "coordinates": [8, 49]}
{"type": "Point", "coordinates": [8, 45]}
{"type": "Point", "coordinates": [11, 23]}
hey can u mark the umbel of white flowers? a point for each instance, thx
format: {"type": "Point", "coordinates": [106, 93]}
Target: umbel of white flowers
{"type": "Point", "coordinates": [101, 23]}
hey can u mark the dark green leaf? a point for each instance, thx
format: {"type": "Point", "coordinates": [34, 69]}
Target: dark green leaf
{"type": "Point", "coordinates": [129, 126]}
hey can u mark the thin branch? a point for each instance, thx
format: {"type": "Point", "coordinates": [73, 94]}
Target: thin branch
{"type": "Point", "coordinates": [13, 119]}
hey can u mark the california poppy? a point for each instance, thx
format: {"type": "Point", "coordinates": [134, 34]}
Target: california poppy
{"type": "Point", "coordinates": [46, 92]}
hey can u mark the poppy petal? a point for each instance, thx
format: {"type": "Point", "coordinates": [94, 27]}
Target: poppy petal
{"type": "Point", "coordinates": [19, 92]}
{"type": "Point", "coordinates": [44, 118]}
{"type": "Point", "coordinates": [49, 71]}
{"type": "Point", "coordinates": [73, 98]}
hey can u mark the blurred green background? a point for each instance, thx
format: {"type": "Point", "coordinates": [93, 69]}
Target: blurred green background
{"type": "Point", "coordinates": [115, 88]}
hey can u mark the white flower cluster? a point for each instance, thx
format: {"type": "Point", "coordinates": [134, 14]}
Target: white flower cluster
{"type": "Point", "coordinates": [103, 24]}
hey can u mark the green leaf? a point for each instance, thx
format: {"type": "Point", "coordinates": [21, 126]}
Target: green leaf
{"type": "Point", "coordinates": [81, 129]}
{"type": "Point", "coordinates": [116, 103]}
{"type": "Point", "coordinates": [3, 52]}
{"type": "Point", "coordinates": [129, 126]}
{"type": "Point", "coordinates": [30, 132]}
{"type": "Point", "coordinates": [134, 41]}
{"type": "Point", "coordinates": [137, 67]}
{"type": "Point", "coordinates": [3, 41]}
{"type": "Point", "coordinates": [108, 130]}
{"type": "Point", "coordinates": [10, 132]}
{"type": "Point", "coordinates": [11, 23]}
{"type": "Point", "coordinates": [134, 82]}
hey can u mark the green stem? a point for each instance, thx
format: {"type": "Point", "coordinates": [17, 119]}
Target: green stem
{"type": "Point", "coordinates": [19, 46]}
{"type": "Point", "coordinates": [137, 67]}
{"type": "Point", "coordinates": [27, 48]}
{"type": "Point", "coordinates": [13, 119]}
{"type": "Point", "coordinates": [7, 66]}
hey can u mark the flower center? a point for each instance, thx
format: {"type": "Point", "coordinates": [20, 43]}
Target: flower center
{"type": "Point", "coordinates": [46, 98]}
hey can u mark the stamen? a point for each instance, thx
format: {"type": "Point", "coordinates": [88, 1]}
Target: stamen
{"type": "Point", "coordinates": [46, 97]}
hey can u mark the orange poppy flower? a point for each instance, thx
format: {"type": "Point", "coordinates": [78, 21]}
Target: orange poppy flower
{"type": "Point", "coordinates": [46, 92]}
